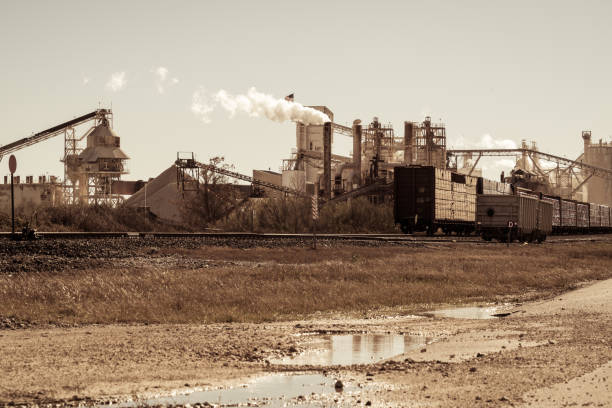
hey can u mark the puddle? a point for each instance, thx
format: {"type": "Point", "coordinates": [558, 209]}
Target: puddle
{"type": "Point", "coordinates": [470, 312]}
{"type": "Point", "coordinates": [355, 349]}
{"type": "Point", "coordinates": [276, 390]}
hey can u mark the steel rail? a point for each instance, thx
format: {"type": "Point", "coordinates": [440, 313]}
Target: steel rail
{"type": "Point", "coordinates": [390, 238]}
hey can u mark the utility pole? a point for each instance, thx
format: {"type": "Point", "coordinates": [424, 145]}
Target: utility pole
{"type": "Point", "coordinates": [315, 216]}
{"type": "Point", "coordinates": [12, 169]}
{"type": "Point", "coordinates": [145, 203]}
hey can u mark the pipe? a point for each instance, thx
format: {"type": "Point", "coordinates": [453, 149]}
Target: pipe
{"type": "Point", "coordinates": [342, 167]}
{"type": "Point", "coordinates": [357, 152]}
{"type": "Point", "coordinates": [408, 130]}
{"type": "Point", "coordinates": [327, 188]}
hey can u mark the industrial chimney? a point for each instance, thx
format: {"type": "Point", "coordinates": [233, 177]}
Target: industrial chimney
{"type": "Point", "coordinates": [357, 152]}
{"type": "Point", "coordinates": [408, 129]}
{"type": "Point", "coordinates": [586, 137]}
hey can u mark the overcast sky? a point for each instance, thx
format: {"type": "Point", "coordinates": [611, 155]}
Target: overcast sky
{"type": "Point", "coordinates": [536, 70]}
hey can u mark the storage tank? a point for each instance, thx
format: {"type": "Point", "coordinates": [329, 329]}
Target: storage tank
{"type": "Point", "coordinates": [599, 190]}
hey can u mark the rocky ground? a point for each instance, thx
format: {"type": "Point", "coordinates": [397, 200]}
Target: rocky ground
{"type": "Point", "coordinates": [550, 353]}
{"type": "Point", "coordinates": [61, 254]}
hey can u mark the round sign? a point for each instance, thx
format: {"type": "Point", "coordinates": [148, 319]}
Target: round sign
{"type": "Point", "coordinates": [12, 163]}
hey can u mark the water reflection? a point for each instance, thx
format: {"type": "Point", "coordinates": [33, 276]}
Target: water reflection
{"type": "Point", "coordinates": [276, 390]}
{"type": "Point", "coordinates": [468, 312]}
{"type": "Point", "coordinates": [356, 349]}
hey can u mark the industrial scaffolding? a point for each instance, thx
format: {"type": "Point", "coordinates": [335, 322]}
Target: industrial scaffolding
{"type": "Point", "coordinates": [89, 170]}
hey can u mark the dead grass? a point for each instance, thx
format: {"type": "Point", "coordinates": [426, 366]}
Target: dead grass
{"type": "Point", "coordinates": [86, 218]}
{"type": "Point", "coordinates": [286, 283]}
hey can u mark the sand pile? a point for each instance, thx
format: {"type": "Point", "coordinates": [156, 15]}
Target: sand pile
{"type": "Point", "coordinates": [163, 197]}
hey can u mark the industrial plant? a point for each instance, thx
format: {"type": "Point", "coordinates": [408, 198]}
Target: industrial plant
{"type": "Point", "coordinates": [95, 166]}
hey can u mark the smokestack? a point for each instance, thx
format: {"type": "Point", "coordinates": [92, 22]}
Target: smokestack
{"type": "Point", "coordinates": [327, 160]}
{"type": "Point", "coordinates": [357, 152]}
{"type": "Point", "coordinates": [408, 126]}
{"type": "Point", "coordinates": [586, 137]}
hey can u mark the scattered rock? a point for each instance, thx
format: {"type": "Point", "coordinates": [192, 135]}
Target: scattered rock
{"type": "Point", "coordinates": [338, 385]}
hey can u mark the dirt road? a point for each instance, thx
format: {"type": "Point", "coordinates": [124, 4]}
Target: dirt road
{"type": "Point", "coordinates": [556, 352]}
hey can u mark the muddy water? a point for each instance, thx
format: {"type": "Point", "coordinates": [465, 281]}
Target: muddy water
{"type": "Point", "coordinates": [468, 312]}
{"type": "Point", "coordinates": [354, 349]}
{"type": "Point", "coordinates": [298, 389]}
{"type": "Point", "coordinates": [276, 390]}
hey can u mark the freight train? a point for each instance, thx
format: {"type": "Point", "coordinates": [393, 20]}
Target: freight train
{"type": "Point", "coordinates": [431, 199]}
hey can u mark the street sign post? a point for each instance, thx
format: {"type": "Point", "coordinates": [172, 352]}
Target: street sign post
{"type": "Point", "coordinates": [315, 217]}
{"type": "Point", "coordinates": [510, 226]}
{"type": "Point", "coordinates": [12, 169]}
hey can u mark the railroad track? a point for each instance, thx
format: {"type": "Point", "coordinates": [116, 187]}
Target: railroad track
{"type": "Point", "coordinates": [272, 236]}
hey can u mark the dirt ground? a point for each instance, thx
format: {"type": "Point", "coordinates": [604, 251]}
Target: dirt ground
{"type": "Point", "coordinates": [555, 352]}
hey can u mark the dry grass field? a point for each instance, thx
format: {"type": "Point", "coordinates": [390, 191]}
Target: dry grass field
{"type": "Point", "coordinates": [267, 284]}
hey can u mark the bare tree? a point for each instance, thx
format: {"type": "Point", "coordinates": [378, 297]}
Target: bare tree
{"type": "Point", "coordinates": [215, 198]}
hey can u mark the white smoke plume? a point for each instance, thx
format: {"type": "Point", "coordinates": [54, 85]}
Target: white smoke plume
{"type": "Point", "coordinates": [162, 79]}
{"type": "Point", "coordinates": [116, 82]}
{"type": "Point", "coordinates": [256, 104]}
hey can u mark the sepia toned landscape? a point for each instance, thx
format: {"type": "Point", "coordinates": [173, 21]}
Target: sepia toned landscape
{"type": "Point", "coordinates": [308, 204]}
{"type": "Point", "coordinates": [180, 316]}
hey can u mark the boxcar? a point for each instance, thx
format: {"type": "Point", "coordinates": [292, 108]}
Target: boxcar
{"type": "Point", "coordinates": [605, 218]}
{"type": "Point", "coordinates": [583, 218]}
{"type": "Point", "coordinates": [519, 217]}
{"type": "Point", "coordinates": [594, 217]}
{"type": "Point", "coordinates": [429, 199]}
{"type": "Point", "coordinates": [556, 212]}
{"type": "Point", "coordinates": [568, 216]}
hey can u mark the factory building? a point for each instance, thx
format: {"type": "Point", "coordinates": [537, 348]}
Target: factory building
{"type": "Point", "coordinates": [267, 176]}
{"type": "Point", "coordinates": [307, 168]}
{"type": "Point", "coordinates": [30, 193]}
{"type": "Point", "coordinates": [91, 172]}
{"type": "Point", "coordinates": [599, 190]}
